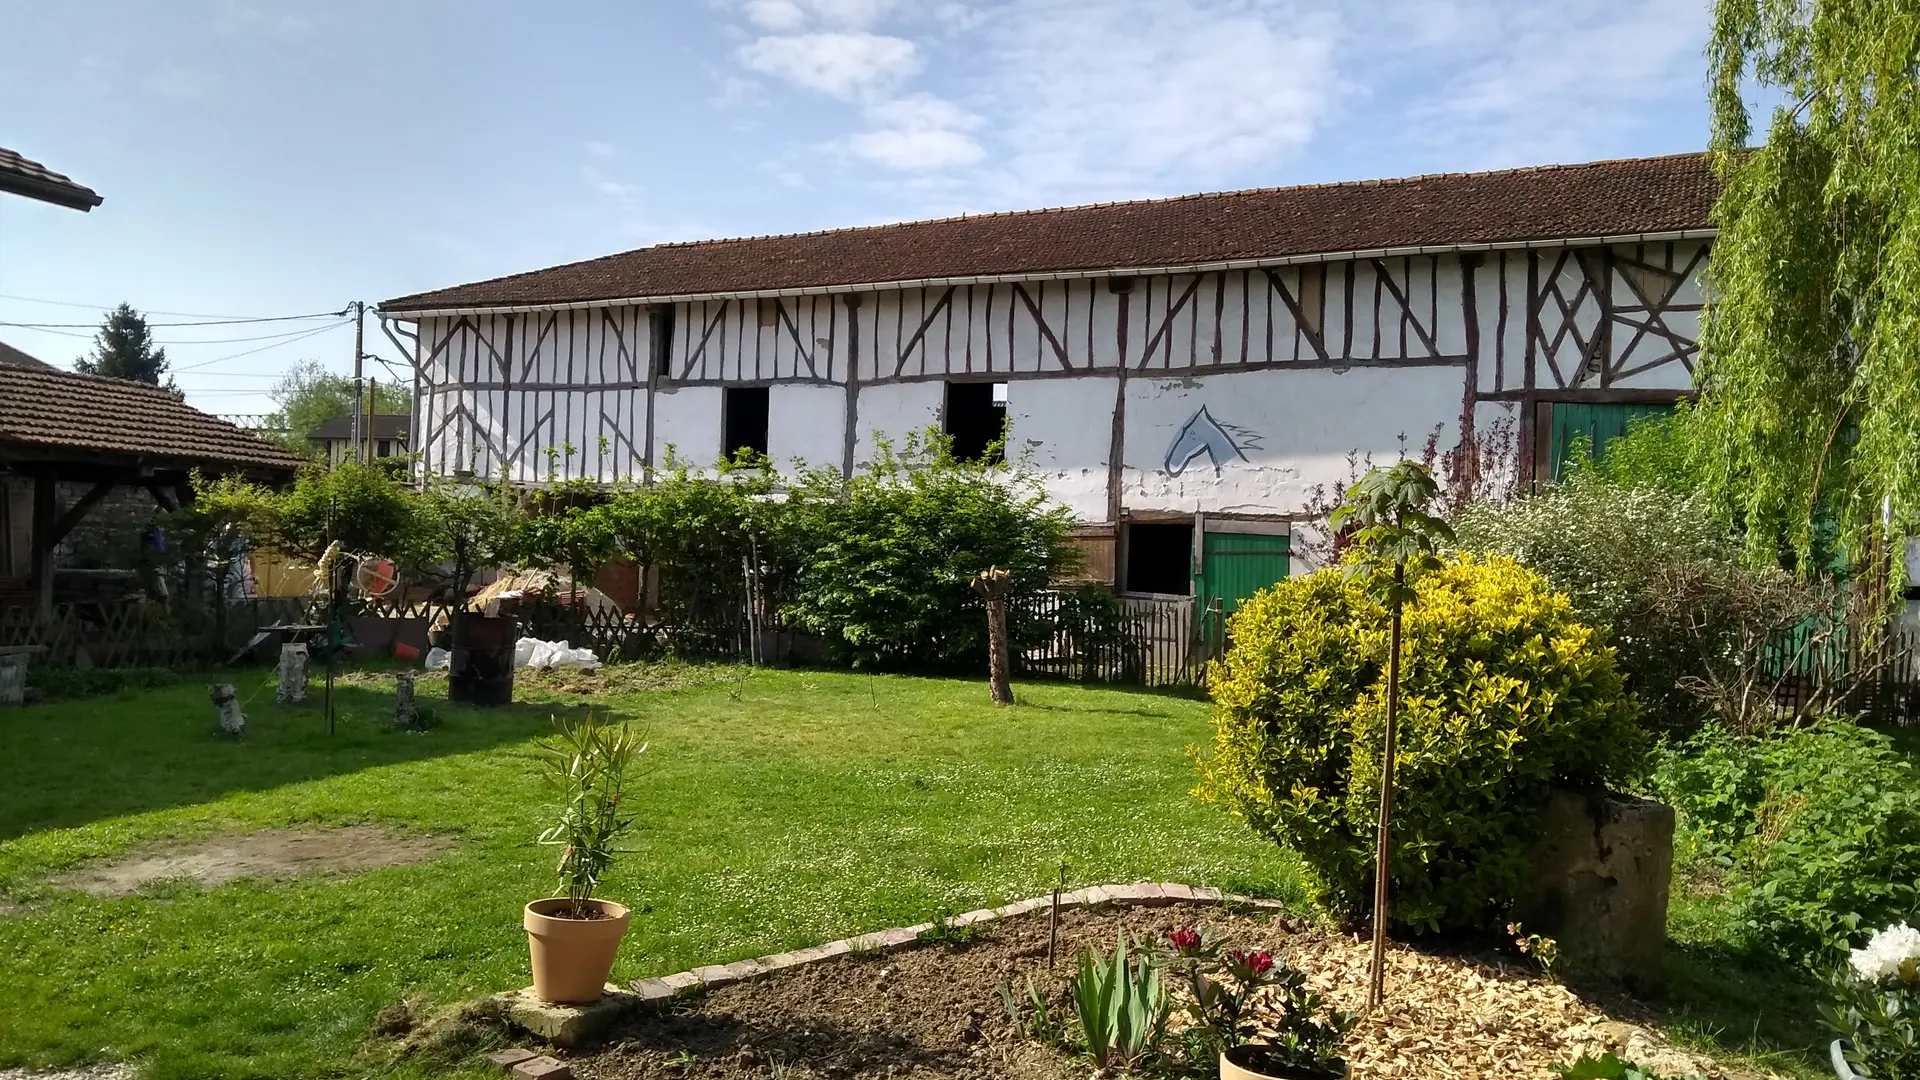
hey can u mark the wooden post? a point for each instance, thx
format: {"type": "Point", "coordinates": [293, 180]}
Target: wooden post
{"type": "Point", "coordinates": [992, 585]}
{"type": "Point", "coordinates": [1383, 856]}
{"type": "Point", "coordinates": [406, 716]}
{"type": "Point", "coordinates": [292, 689]}
{"type": "Point", "coordinates": [45, 506]}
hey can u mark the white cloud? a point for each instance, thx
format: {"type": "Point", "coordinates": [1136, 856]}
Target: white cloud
{"type": "Point", "coordinates": [920, 132]}
{"type": "Point", "coordinates": [598, 149]}
{"type": "Point", "coordinates": [1526, 85]}
{"type": "Point", "coordinates": [787, 16]}
{"type": "Point", "coordinates": [1112, 100]}
{"type": "Point", "coordinates": [1004, 103]}
{"type": "Point", "coordinates": [844, 65]}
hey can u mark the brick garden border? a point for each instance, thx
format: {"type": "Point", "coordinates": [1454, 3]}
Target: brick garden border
{"type": "Point", "coordinates": [1140, 894]}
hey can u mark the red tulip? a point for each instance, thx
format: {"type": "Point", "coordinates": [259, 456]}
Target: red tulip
{"type": "Point", "coordinates": [1185, 940]}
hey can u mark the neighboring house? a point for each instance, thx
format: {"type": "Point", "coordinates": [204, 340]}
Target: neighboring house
{"type": "Point", "coordinates": [30, 179]}
{"type": "Point", "coordinates": [1184, 372]}
{"type": "Point", "coordinates": [12, 357]}
{"type": "Point", "coordinates": [388, 431]}
{"type": "Point", "coordinates": [79, 449]}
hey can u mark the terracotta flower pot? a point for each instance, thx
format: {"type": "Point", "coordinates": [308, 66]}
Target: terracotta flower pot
{"type": "Point", "coordinates": [1240, 1063]}
{"type": "Point", "coordinates": [572, 957]}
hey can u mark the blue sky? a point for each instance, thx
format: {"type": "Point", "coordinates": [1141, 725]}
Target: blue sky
{"type": "Point", "coordinates": [267, 159]}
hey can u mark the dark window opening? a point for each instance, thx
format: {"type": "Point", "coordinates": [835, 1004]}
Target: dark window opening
{"type": "Point", "coordinates": [743, 420]}
{"type": "Point", "coordinates": [1160, 558]}
{"type": "Point", "coordinates": [386, 448]}
{"type": "Point", "coordinates": [976, 419]}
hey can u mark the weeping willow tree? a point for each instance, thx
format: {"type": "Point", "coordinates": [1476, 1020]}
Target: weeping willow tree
{"type": "Point", "coordinates": [1811, 348]}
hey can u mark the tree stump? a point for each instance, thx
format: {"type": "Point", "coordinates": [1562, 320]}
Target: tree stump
{"type": "Point", "coordinates": [1602, 867]}
{"type": "Point", "coordinates": [226, 704]}
{"type": "Point", "coordinates": [406, 716]}
{"type": "Point", "coordinates": [992, 584]}
{"type": "Point", "coordinates": [293, 675]}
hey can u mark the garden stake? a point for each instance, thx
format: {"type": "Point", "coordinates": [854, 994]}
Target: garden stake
{"type": "Point", "coordinates": [1386, 513]}
{"type": "Point", "coordinates": [1053, 918]}
{"type": "Point", "coordinates": [1377, 987]}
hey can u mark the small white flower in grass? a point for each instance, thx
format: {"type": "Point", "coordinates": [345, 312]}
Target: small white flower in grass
{"type": "Point", "coordinates": [1892, 952]}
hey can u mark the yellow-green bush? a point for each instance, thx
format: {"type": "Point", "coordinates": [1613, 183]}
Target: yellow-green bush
{"type": "Point", "coordinates": [1503, 695]}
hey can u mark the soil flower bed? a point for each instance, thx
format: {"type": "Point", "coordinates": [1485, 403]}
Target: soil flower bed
{"type": "Point", "coordinates": [934, 1010]}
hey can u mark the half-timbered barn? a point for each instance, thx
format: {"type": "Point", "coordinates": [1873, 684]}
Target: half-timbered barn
{"type": "Point", "coordinates": [1183, 371]}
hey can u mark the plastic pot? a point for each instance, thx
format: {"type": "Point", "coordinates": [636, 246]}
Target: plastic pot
{"type": "Point", "coordinates": [1238, 1063]}
{"type": "Point", "coordinates": [573, 957]}
{"type": "Point", "coordinates": [1841, 1067]}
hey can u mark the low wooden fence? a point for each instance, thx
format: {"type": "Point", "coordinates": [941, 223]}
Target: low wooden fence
{"type": "Point", "coordinates": [1084, 637]}
{"type": "Point", "coordinates": [1880, 682]}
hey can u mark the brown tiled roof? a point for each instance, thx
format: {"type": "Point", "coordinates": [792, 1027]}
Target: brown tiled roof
{"type": "Point", "coordinates": [24, 176]}
{"type": "Point", "coordinates": [1559, 202]}
{"type": "Point", "coordinates": [48, 409]}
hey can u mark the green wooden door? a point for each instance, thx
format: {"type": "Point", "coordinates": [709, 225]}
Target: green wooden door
{"type": "Point", "coordinates": [1234, 565]}
{"type": "Point", "coordinates": [1598, 423]}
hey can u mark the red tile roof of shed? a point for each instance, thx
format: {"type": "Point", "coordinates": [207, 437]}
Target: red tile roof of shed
{"type": "Point", "coordinates": [25, 176]}
{"type": "Point", "coordinates": [1558, 202]}
{"type": "Point", "coordinates": [49, 410]}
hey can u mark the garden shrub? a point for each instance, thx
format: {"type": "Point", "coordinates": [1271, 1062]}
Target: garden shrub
{"type": "Point", "coordinates": [881, 564]}
{"type": "Point", "coordinates": [68, 684]}
{"type": "Point", "coordinates": [1814, 832]}
{"type": "Point", "coordinates": [1505, 693]}
{"type": "Point", "coordinates": [1686, 614]}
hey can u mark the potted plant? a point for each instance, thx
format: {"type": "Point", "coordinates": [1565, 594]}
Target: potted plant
{"type": "Point", "coordinates": [1220, 985]}
{"type": "Point", "coordinates": [573, 935]}
{"type": "Point", "coordinates": [1876, 996]}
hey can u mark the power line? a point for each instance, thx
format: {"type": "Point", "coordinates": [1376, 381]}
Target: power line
{"type": "Point", "coordinates": [203, 322]}
{"type": "Point", "coordinates": [110, 307]}
{"type": "Point", "coordinates": [263, 348]}
{"type": "Point", "coordinates": [42, 328]}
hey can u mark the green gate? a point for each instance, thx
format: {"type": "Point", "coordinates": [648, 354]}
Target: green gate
{"type": "Point", "coordinates": [1598, 423]}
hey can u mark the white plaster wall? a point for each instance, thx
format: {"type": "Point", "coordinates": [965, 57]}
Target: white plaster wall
{"type": "Point", "coordinates": [807, 423]}
{"type": "Point", "coordinates": [1295, 429]}
{"type": "Point", "coordinates": [895, 410]}
{"type": "Point", "coordinates": [1064, 428]}
{"type": "Point", "coordinates": [687, 418]}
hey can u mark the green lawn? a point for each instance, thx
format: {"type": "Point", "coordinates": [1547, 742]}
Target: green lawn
{"type": "Point", "coordinates": [780, 809]}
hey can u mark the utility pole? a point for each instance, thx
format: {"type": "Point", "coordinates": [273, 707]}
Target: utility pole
{"type": "Point", "coordinates": [360, 422]}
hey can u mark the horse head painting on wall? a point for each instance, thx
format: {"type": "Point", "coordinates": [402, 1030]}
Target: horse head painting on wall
{"type": "Point", "coordinates": [1202, 434]}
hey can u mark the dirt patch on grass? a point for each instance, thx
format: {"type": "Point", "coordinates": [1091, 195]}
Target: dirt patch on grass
{"type": "Point", "coordinates": [270, 853]}
{"type": "Point", "coordinates": [934, 1012]}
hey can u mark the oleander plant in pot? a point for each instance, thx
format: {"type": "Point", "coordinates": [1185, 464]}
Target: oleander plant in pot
{"type": "Point", "coordinates": [573, 935]}
{"type": "Point", "coordinates": [1876, 1009]}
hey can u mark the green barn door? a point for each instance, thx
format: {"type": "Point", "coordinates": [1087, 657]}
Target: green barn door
{"type": "Point", "coordinates": [1598, 423]}
{"type": "Point", "coordinates": [1232, 567]}
{"type": "Point", "coordinates": [1235, 565]}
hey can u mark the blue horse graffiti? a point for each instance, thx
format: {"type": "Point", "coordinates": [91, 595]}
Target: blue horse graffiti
{"type": "Point", "coordinates": [1202, 434]}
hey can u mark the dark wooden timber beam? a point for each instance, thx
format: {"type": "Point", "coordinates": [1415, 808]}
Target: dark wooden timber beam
{"type": "Point", "coordinates": [45, 507]}
{"type": "Point", "coordinates": [78, 511]}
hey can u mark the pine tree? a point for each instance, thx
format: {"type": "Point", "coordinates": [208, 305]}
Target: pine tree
{"type": "Point", "coordinates": [124, 349]}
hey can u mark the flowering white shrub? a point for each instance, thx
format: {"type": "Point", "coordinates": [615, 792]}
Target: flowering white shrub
{"type": "Point", "coordinates": [1891, 953]}
{"type": "Point", "coordinates": [1877, 1006]}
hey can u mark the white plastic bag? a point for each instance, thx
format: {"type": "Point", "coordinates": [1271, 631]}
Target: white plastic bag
{"type": "Point", "coordinates": [533, 653]}
{"type": "Point", "coordinates": [438, 658]}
